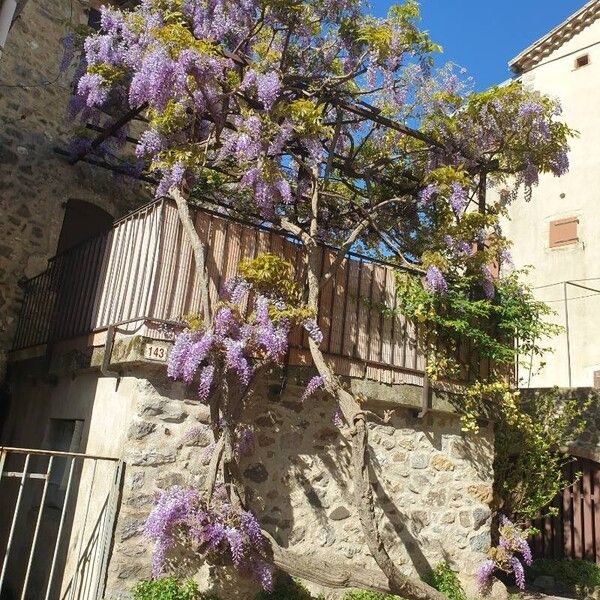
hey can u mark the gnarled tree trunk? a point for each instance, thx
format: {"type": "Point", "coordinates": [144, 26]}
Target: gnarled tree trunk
{"type": "Point", "coordinates": [324, 573]}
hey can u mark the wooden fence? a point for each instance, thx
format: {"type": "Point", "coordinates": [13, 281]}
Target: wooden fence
{"type": "Point", "coordinates": [575, 531]}
{"type": "Point", "coordinates": [143, 268]}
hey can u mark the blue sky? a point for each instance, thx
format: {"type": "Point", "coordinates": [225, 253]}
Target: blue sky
{"type": "Point", "coordinates": [483, 35]}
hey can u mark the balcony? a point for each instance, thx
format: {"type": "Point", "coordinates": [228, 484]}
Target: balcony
{"type": "Point", "coordinates": [141, 274]}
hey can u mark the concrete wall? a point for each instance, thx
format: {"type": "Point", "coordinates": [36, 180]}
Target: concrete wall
{"type": "Point", "coordinates": [104, 408]}
{"type": "Point", "coordinates": [34, 181]}
{"type": "Point", "coordinates": [575, 194]}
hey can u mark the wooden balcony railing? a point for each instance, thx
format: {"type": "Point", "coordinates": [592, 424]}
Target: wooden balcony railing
{"type": "Point", "coordinates": [144, 268]}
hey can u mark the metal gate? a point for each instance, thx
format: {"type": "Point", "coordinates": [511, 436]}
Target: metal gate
{"type": "Point", "coordinates": [57, 513]}
{"type": "Point", "coordinates": [575, 531]}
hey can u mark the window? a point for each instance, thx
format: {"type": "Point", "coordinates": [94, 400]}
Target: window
{"type": "Point", "coordinates": [563, 232]}
{"type": "Point", "coordinates": [582, 61]}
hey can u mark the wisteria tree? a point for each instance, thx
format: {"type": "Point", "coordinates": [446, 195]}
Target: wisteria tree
{"type": "Point", "coordinates": [333, 127]}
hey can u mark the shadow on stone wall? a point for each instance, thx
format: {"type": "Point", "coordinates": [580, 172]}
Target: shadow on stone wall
{"type": "Point", "coordinates": [432, 485]}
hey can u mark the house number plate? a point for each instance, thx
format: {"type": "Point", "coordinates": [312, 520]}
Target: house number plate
{"type": "Point", "coordinates": [156, 352]}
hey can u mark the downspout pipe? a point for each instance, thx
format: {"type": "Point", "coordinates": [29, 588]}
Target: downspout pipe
{"type": "Point", "coordinates": [7, 13]}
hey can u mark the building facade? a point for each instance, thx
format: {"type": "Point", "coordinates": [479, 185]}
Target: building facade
{"type": "Point", "coordinates": [95, 382]}
{"type": "Point", "coordinates": [558, 231]}
{"type": "Point", "coordinates": [46, 204]}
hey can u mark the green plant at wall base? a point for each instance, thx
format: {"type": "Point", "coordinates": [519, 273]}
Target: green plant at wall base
{"type": "Point", "coordinates": [445, 580]}
{"type": "Point", "coordinates": [363, 595]}
{"type": "Point", "coordinates": [168, 588]}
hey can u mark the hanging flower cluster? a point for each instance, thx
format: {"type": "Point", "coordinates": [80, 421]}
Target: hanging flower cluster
{"type": "Point", "coordinates": [217, 532]}
{"type": "Point", "coordinates": [507, 124]}
{"type": "Point", "coordinates": [223, 84]}
{"type": "Point", "coordinates": [510, 554]}
{"type": "Point", "coordinates": [244, 98]}
{"type": "Point", "coordinates": [238, 341]}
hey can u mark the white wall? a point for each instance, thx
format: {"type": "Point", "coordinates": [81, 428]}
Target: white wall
{"type": "Point", "coordinates": [105, 407]}
{"type": "Point", "coordinates": [575, 194]}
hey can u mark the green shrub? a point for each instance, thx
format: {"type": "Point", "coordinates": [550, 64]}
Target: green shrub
{"type": "Point", "coordinates": [286, 588]}
{"type": "Point", "coordinates": [168, 588]}
{"type": "Point", "coordinates": [575, 574]}
{"type": "Point", "coordinates": [445, 580]}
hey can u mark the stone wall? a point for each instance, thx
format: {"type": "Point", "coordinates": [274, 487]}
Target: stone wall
{"type": "Point", "coordinates": [432, 483]}
{"type": "Point", "coordinates": [34, 181]}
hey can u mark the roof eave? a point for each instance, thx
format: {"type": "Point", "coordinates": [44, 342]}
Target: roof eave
{"type": "Point", "coordinates": [555, 38]}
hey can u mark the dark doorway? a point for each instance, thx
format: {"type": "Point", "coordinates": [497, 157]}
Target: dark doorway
{"type": "Point", "coordinates": [82, 221]}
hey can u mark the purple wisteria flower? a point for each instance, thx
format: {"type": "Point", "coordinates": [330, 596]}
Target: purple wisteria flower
{"type": "Point", "coordinates": [458, 199]}
{"type": "Point", "coordinates": [484, 574]}
{"type": "Point", "coordinates": [268, 87]}
{"type": "Point", "coordinates": [559, 163]}
{"type": "Point", "coordinates": [180, 516]}
{"type": "Point", "coordinates": [235, 341]}
{"type": "Point", "coordinates": [236, 545]}
{"type": "Point", "coordinates": [197, 353]}
{"type": "Point", "coordinates": [428, 193]}
{"type": "Point", "coordinates": [504, 557]}
{"type": "Point", "coordinates": [337, 418]}
{"type": "Point", "coordinates": [68, 44]}
{"type": "Point", "coordinates": [530, 108]}
{"type": "Point", "coordinates": [234, 290]}
{"type": "Point", "coordinates": [154, 80]}
{"type": "Point", "coordinates": [206, 380]}
{"type": "Point", "coordinates": [313, 330]}
{"type": "Point", "coordinates": [517, 569]}
{"type": "Point", "coordinates": [93, 88]}
{"type": "Point", "coordinates": [530, 175]}
{"type": "Point", "coordinates": [435, 282]}
{"type": "Point", "coordinates": [264, 574]}
{"type": "Point", "coordinates": [245, 443]}
{"type": "Point", "coordinates": [171, 510]}
{"type": "Point", "coordinates": [506, 257]}
{"type": "Point", "coordinates": [150, 142]}
{"type": "Point", "coordinates": [236, 360]}
{"type": "Point", "coordinates": [170, 177]}
{"type": "Point", "coordinates": [251, 528]}
{"type": "Point", "coordinates": [316, 383]}
{"type": "Point", "coordinates": [178, 354]}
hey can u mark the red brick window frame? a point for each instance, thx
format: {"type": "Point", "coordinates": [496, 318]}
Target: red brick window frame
{"type": "Point", "coordinates": [563, 232]}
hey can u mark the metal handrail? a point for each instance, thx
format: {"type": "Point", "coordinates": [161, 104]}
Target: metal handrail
{"type": "Point", "coordinates": [55, 453]}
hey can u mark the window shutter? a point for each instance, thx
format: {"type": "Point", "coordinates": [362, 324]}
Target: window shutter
{"type": "Point", "coordinates": [563, 232]}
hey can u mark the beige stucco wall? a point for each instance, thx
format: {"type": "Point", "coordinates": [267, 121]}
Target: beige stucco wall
{"type": "Point", "coordinates": [34, 181]}
{"type": "Point", "coordinates": [575, 194]}
{"type": "Point", "coordinates": [104, 406]}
